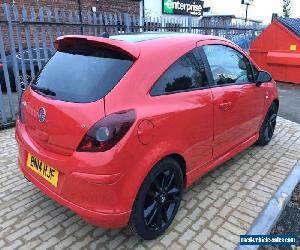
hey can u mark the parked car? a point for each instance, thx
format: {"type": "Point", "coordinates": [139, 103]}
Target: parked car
{"type": "Point", "coordinates": [115, 128]}
{"type": "Point", "coordinates": [9, 59]}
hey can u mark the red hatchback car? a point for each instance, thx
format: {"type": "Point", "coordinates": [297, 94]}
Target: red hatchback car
{"type": "Point", "coordinates": [115, 128]}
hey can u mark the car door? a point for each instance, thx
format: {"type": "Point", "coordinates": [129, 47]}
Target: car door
{"type": "Point", "coordinates": [238, 102]}
{"type": "Point", "coordinates": [183, 106]}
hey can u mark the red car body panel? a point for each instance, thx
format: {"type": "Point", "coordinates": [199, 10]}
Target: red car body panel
{"type": "Point", "coordinates": [238, 112]}
{"type": "Point", "coordinates": [203, 128]}
{"type": "Point", "coordinates": [66, 122]}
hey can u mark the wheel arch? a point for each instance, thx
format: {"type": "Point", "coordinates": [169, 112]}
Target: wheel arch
{"type": "Point", "coordinates": [153, 162]}
{"type": "Point", "coordinates": [276, 101]}
{"type": "Point", "coordinates": [181, 161]}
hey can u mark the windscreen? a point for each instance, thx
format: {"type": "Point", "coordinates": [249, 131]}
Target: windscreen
{"type": "Point", "coordinates": [81, 73]}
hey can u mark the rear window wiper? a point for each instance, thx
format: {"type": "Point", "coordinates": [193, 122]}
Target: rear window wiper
{"type": "Point", "coordinates": [45, 91]}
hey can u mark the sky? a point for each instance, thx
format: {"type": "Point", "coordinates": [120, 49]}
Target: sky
{"type": "Point", "coordinates": [260, 10]}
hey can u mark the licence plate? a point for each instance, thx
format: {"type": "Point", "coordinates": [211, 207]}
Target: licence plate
{"type": "Point", "coordinates": [48, 173]}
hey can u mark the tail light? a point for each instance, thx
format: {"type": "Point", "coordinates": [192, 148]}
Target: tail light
{"type": "Point", "coordinates": [107, 132]}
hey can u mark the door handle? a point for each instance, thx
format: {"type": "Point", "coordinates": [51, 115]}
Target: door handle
{"type": "Point", "coordinates": [225, 106]}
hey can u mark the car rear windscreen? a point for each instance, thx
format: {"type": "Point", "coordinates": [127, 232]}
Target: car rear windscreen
{"type": "Point", "coordinates": [82, 73]}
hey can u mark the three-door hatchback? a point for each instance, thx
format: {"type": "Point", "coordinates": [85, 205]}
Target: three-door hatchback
{"type": "Point", "coordinates": [115, 128]}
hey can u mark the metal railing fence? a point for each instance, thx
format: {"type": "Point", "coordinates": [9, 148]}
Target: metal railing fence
{"type": "Point", "coordinates": [27, 40]}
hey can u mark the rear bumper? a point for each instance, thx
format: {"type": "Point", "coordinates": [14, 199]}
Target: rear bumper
{"type": "Point", "coordinates": [116, 220]}
{"type": "Point", "coordinates": [94, 197]}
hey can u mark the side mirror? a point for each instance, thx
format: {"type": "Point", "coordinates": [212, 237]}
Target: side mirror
{"type": "Point", "coordinates": [263, 77]}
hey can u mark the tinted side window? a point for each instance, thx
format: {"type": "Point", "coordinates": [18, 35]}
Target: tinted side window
{"type": "Point", "coordinates": [187, 73]}
{"type": "Point", "coordinates": [255, 72]}
{"type": "Point", "coordinates": [228, 66]}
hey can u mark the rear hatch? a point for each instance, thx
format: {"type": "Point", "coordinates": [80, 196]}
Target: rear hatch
{"type": "Point", "coordinates": [67, 96]}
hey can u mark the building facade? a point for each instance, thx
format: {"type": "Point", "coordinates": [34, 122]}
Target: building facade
{"type": "Point", "coordinates": [123, 6]}
{"type": "Point", "coordinates": [66, 9]}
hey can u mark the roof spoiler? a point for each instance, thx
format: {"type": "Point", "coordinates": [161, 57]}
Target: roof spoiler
{"type": "Point", "coordinates": [128, 48]}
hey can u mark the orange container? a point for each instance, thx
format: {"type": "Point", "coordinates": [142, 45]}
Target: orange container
{"type": "Point", "coordinates": [277, 49]}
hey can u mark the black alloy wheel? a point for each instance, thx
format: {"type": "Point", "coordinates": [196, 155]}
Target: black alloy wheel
{"type": "Point", "coordinates": [161, 200]}
{"type": "Point", "coordinates": [268, 126]}
{"type": "Point", "coordinates": [158, 200]}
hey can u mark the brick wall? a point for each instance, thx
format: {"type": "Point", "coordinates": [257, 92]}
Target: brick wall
{"type": "Point", "coordinates": [109, 6]}
{"type": "Point", "coordinates": [127, 6]}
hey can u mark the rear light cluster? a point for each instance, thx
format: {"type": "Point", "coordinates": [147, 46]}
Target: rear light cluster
{"type": "Point", "coordinates": [107, 132]}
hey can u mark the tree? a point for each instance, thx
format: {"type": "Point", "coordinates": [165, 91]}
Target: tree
{"type": "Point", "coordinates": [286, 8]}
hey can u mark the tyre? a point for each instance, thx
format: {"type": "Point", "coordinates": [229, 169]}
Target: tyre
{"type": "Point", "coordinates": [11, 80]}
{"type": "Point", "coordinates": [267, 128]}
{"type": "Point", "coordinates": [24, 80]}
{"type": "Point", "coordinates": [158, 200]}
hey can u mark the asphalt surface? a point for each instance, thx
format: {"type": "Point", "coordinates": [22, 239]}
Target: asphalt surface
{"type": "Point", "coordinates": [289, 221]}
{"type": "Point", "coordinates": [289, 95]}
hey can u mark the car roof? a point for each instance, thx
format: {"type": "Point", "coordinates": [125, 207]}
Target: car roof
{"type": "Point", "coordinates": [162, 40]}
{"type": "Point", "coordinates": [146, 36]}
{"type": "Point", "coordinates": [132, 44]}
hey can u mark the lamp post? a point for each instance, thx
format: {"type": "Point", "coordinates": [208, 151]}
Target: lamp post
{"type": "Point", "coordinates": [80, 16]}
{"type": "Point", "coordinates": [247, 3]}
{"type": "Point", "coordinates": [246, 18]}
